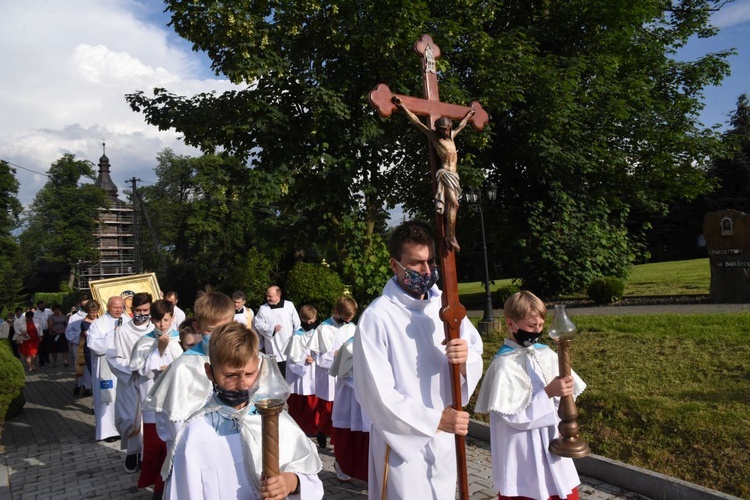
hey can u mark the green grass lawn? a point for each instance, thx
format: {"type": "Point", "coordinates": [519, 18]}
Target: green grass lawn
{"type": "Point", "coordinates": [684, 277]}
{"type": "Point", "coordinates": [669, 393]}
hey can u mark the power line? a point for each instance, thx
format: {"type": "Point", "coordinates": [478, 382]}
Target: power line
{"type": "Point", "coordinates": [152, 183]}
{"type": "Point", "coordinates": [24, 168]}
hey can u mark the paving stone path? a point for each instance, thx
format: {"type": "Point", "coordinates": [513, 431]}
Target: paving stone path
{"type": "Point", "coordinates": [49, 452]}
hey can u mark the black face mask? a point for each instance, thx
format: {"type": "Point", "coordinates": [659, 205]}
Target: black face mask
{"type": "Point", "coordinates": [341, 321]}
{"type": "Point", "coordinates": [231, 398]}
{"type": "Point", "coordinates": [527, 339]}
{"type": "Point", "coordinates": [309, 326]}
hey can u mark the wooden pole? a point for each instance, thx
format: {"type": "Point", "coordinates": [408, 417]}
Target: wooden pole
{"type": "Point", "coordinates": [452, 312]}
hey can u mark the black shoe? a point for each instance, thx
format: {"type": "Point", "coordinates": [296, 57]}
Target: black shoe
{"type": "Point", "coordinates": [321, 440]}
{"type": "Point", "coordinates": [157, 495]}
{"type": "Point", "coordinates": [87, 393]}
{"type": "Point", "coordinates": [131, 464]}
{"type": "Point", "coordinates": [76, 390]}
{"type": "Point", "coordinates": [111, 439]}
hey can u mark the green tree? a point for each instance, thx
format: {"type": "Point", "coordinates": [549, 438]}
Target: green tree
{"type": "Point", "coordinates": [10, 209]}
{"type": "Point", "coordinates": [206, 213]}
{"type": "Point", "coordinates": [732, 171]}
{"type": "Point", "coordinates": [591, 117]}
{"type": "Point", "coordinates": [61, 222]}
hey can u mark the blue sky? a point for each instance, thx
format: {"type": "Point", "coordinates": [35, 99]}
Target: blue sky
{"type": "Point", "coordinates": [734, 23]}
{"type": "Point", "coordinates": [68, 63]}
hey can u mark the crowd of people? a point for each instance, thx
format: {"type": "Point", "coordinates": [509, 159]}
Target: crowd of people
{"type": "Point", "coordinates": [177, 391]}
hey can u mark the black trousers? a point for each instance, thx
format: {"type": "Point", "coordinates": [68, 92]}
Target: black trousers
{"type": "Point", "coordinates": [44, 348]}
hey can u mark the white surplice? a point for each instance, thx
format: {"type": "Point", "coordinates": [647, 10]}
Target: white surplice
{"type": "Point", "coordinates": [523, 422]}
{"type": "Point", "coordinates": [347, 412]}
{"type": "Point", "coordinates": [127, 400]}
{"type": "Point", "coordinates": [100, 339]}
{"type": "Point", "coordinates": [180, 391]}
{"type": "Point", "coordinates": [218, 454]}
{"type": "Point", "coordinates": [328, 337]}
{"type": "Point", "coordinates": [402, 380]}
{"type": "Point", "coordinates": [147, 362]}
{"type": "Point", "coordinates": [299, 375]}
{"type": "Point", "coordinates": [267, 319]}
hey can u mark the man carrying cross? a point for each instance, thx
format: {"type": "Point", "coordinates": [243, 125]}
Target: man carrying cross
{"type": "Point", "coordinates": [448, 187]}
{"type": "Point", "coordinates": [401, 376]}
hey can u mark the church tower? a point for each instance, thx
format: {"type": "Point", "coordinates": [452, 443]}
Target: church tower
{"type": "Point", "coordinates": [114, 239]}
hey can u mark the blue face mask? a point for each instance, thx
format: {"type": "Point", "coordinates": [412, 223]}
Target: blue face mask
{"type": "Point", "coordinates": [231, 398]}
{"type": "Point", "coordinates": [419, 283]}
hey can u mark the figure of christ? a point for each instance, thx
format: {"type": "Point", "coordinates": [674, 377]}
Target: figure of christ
{"type": "Point", "coordinates": [448, 187]}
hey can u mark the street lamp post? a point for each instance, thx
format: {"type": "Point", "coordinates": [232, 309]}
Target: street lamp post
{"type": "Point", "coordinates": [474, 198]}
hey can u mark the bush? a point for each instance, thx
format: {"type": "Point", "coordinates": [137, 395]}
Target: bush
{"type": "Point", "coordinates": [315, 285]}
{"type": "Point", "coordinates": [606, 290]}
{"type": "Point", "coordinates": [12, 381]}
{"type": "Point", "coordinates": [502, 294]}
{"type": "Point", "coordinates": [51, 298]}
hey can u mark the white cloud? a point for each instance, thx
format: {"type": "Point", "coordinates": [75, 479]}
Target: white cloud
{"type": "Point", "coordinates": [67, 65]}
{"type": "Point", "coordinates": [732, 14]}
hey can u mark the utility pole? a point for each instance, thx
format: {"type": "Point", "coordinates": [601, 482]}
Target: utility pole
{"type": "Point", "coordinates": [136, 241]}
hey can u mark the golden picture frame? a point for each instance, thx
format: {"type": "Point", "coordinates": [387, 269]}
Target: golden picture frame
{"type": "Point", "coordinates": [125, 287]}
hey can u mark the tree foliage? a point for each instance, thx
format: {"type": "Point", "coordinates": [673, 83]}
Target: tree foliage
{"type": "Point", "coordinates": [591, 116]}
{"type": "Point", "coordinates": [61, 222]}
{"type": "Point", "coordinates": [315, 285]}
{"type": "Point", "coordinates": [10, 209]}
{"type": "Point", "coordinates": [207, 214]}
{"type": "Point", "coordinates": [732, 171]}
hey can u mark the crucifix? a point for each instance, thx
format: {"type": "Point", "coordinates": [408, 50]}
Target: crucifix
{"type": "Point", "coordinates": [443, 163]}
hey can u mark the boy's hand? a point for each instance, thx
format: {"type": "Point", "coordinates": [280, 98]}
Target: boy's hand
{"type": "Point", "coordinates": [278, 487]}
{"type": "Point", "coordinates": [457, 351]}
{"type": "Point", "coordinates": [163, 343]}
{"type": "Point", "coordinates": [455, 422]}
{"type": "Point", "coordinates": [559, 387]}
{"type": "Point", "coordinates": [309, 360]}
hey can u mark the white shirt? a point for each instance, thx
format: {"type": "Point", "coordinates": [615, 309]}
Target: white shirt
{"type": "Point", "coordinates": [43, 316]}
{"type": "Point", "coordinates": [73, 330]}
{"type": "Point", "coordinates": [178, 316]}
{"type": "Point", "coordinates": [245, 316]}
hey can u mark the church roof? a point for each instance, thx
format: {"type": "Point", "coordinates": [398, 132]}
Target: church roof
{"type": "Point", "coordinates": [104, 181]}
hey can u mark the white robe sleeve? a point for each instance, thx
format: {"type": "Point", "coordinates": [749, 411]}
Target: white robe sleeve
{"type": "Point", "coordinates": [96, 339]}
{"type": "Point", "coordinates": [167, 429]}
{"type": "Point", "coordinates": [541, 412]}
{"type": "Point", "coordinates": [405, 422]}
{"type": "Point", "coordinates": [264, 322]}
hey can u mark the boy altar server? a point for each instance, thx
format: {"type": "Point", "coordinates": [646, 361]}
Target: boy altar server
{"type": "Point", "coordinates": [402, 376]}
{"type": "Point", "coordinates": [351, 425]}
{"type": "Point", "coordinates": [521, 391]}
{"type": "Point", "coordinates": [300, 373]}
{"type": "Point", "coordinates": [328, 336]}
{"type": "Point", "coordinates": [218, 453]}
{"type": "Point", "coordinates": [152, 354]}
{"type": "Point", "coordinates": [183, 388]}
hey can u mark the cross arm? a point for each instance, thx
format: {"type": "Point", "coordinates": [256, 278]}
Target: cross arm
{"type": "Point", "coordinates": [382, 99]}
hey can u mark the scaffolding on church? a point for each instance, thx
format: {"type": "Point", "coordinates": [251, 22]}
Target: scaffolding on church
{"type": "Point", "coordinates": [115, 237]}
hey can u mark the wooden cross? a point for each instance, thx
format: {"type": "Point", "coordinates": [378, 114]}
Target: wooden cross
{"type": "Point", "coordinates": [452, 312]}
